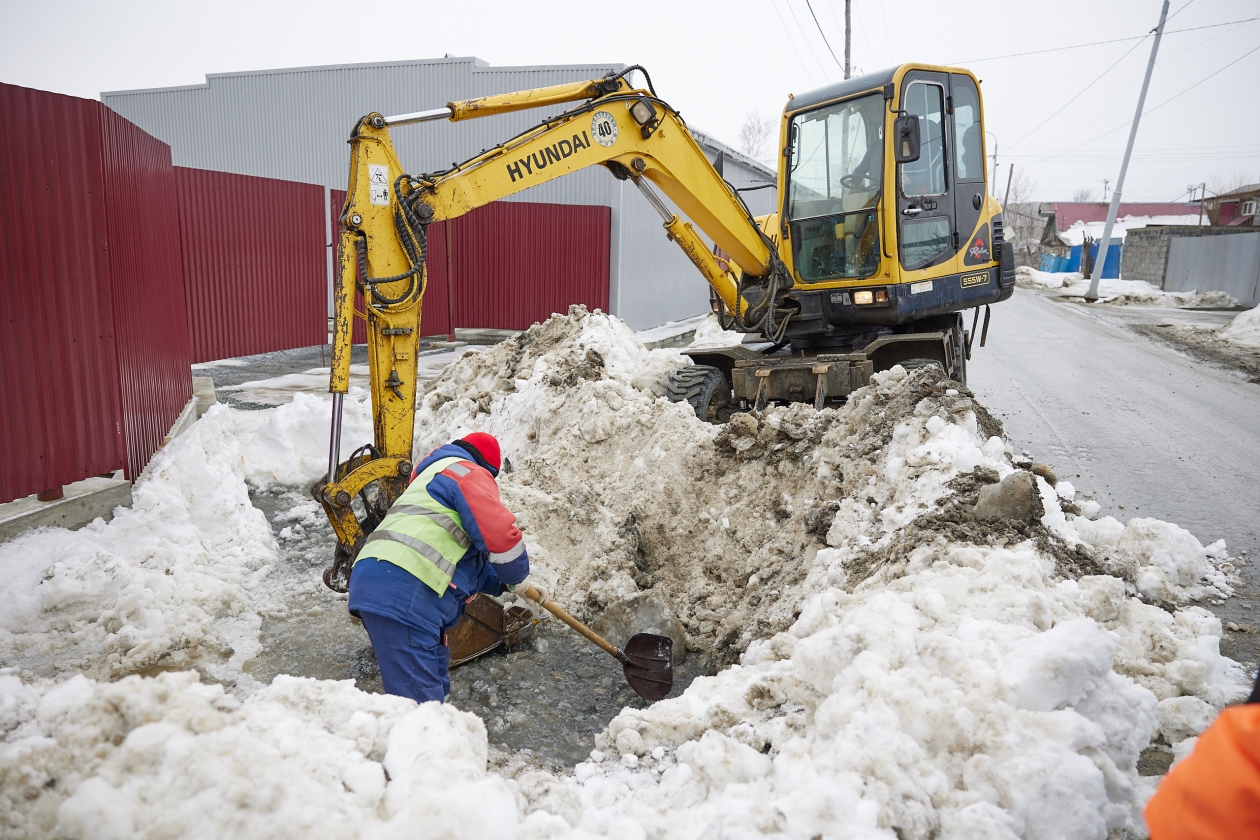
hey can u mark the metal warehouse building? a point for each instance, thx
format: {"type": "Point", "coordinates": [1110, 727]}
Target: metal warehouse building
{"type": "Point", "coordinates": [293, 124]}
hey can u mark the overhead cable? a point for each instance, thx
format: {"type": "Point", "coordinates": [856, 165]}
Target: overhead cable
{"type": "Point", "coordinates": [805, 36]}
{"type": "Point", "coordinates": [1082, 92]}
{"type": "Point", "coordinates": [1156, 108]}
{"type": "Point", "coordinates": [810, 6]}
{"type": "Point", "coordinates": [1099, 43]}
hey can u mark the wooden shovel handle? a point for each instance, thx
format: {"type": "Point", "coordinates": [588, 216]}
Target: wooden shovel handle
{"type": "Point", "coordinates": [533, 594]}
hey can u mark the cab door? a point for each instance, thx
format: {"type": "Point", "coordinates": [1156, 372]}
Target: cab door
{"type": "Point", "coordinates": [927, 232]}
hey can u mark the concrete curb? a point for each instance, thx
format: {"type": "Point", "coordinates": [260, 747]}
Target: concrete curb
{"type": "Point", "coordinates": [83, 502]}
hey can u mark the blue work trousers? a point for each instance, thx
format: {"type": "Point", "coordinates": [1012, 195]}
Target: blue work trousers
{"type": "Point", "coordinates": [414, 663]}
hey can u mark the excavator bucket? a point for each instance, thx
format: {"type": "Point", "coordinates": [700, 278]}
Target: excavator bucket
{"type": "Point", "coordinates": [487, 625]}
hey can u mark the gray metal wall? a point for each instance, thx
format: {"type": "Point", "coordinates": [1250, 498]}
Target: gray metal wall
{"type": "Point", "coordinates": [1229, 264]}
{"type": "Point", "coordinates": [293, 124]}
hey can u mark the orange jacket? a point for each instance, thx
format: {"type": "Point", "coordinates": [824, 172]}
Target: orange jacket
{"type": "Point", "coordinates": [1215, 793]}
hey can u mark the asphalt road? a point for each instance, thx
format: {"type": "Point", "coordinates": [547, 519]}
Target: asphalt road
{"type": "Point", "coordinates": [1138, 425]}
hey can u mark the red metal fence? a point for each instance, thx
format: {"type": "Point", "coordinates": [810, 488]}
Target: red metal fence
{"type": "Point", "coordinates": [94, 372]}
{"type": "Point", "coordinates": [254, 263]}
{"type": "Point", "coordinates": [514, 263]}
{"type": "Point", "coordinates": [154, 379]}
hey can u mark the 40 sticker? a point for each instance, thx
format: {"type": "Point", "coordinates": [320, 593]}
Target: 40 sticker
{"type": "Point", "coordinates": [604, 128]}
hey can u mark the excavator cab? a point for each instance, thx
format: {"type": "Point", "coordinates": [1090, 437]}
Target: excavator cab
{"type": "Point", "coordinates": [885, 214]}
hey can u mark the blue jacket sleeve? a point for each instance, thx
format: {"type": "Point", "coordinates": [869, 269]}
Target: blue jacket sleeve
{"type": "Point", "coordinates": [511, 571]}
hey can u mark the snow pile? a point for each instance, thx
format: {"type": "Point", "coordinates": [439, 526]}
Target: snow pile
{"type": "Point", "coordinates": [172, 582]}
{"type": "Point", "coordinates": [1119, 292]}
{"type": "Point", "coordinates": [288, 445]}
{"type": "Point", "coordinates": [1244, 329]}
{"type": "Point", "coordinates": [711, 334]}
{"type": "Point", "coordinates": [171, 757]}
{"type": "Point", "coordinates": [902, 667]}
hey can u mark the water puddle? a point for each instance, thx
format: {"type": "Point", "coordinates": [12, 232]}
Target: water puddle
{"type": "Point", "coordinates": [547, 698]}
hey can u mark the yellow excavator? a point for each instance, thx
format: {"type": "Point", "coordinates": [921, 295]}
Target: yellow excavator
{"type": "Point", "coordinates": [884, 233]}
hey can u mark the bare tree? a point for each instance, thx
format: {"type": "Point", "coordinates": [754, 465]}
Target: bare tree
{"type": "Point", "coordinates": [1083, 195]}
{"type": "Point", "coordinates": [754, 135]}
{"type": "Point", "coordinates": [1221, 183]}
{"type": "Point", "coordinates": [1023, 225]}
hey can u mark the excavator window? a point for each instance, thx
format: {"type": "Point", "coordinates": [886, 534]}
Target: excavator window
{"type": "Point", "coordinates": [967, 129]}
{"type": "Point", "coordinates": [926, 176]}
{"type": "Point", "coordinates": [834, 188]}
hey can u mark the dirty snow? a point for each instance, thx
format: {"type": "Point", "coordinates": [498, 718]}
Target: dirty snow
{"type": "Point", "coordinates": [1072, 284]}
{"type": "Point", "coordinates": [1244, 329]}
{"type": "Point", "coordinates": [897, 668]}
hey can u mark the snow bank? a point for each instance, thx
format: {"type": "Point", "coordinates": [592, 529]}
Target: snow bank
{"type": "Point", "coordinates": [288, 445]}
{"type": "Point", "coordinates": [898, 666]}
{"type": "Point", "coordinates": [174, 758]}
{"type": "Point", "coordinates": [172, 582]}
{"type": "Point", "coordinates": [1119, 292]}
{"type": "Point", "coordinates": [711, 334]}
{"type": "Point", "coordinates": [1244, 329]}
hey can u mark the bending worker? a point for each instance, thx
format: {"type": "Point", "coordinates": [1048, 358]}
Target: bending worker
{"type": "Point", "coordinates": [445, 539]}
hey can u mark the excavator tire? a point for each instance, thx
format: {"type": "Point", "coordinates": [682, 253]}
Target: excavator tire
{"type": "Point", "coordinates": [706, 389]}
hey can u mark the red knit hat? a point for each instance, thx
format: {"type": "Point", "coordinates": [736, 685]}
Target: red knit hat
{"type": "Point", "coordinates": [486, 445]}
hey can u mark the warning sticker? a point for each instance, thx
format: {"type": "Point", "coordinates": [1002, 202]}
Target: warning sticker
{"type": "Point", "coordinates": [604, 128]}
{"type": "Point", "coordinates": [378, 183]}
{"type": "Point", "coordinates": [925, 286]}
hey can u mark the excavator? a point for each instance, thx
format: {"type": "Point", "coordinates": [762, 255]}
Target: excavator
{"type": "Point", "coordinates": [883, 235]}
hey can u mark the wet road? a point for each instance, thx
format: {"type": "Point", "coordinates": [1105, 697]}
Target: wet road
{"type": "Point", "coordinates": [1143, 428]}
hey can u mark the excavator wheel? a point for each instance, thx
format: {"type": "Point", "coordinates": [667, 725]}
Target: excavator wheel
{"type": "Point", "coordinates": [706, 389]}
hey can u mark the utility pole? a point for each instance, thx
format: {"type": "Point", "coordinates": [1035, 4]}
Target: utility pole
{"type": "Point", "coordinates": [1106, 181]}
{"type": "Point", "coordinates": [993, 180]}
{"type": "Point", "coordinates": [1096, 272]}
{"type": "Point", "coordinates": [848, 33]}
{"type": "Point", "coordinates": [1010, 174]}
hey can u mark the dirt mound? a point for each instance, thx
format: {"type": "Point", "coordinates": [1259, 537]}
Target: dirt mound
{"type": "Point", "coordinates": [620, 491]}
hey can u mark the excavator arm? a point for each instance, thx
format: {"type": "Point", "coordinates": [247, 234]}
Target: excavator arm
{"type": "Point", "coordinates": [383, 246]}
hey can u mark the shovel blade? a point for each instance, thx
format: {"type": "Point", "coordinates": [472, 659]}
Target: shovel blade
{"type": "Point", "coordinates": [649, 665]}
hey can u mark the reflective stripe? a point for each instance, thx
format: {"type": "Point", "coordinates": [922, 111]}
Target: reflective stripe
{"type": "Point", "coordinates": [425, 550]}
{"type": "Point", "coordinates": [449, 525]}
{"type": "Point", "coordinates": [508, 556]}
{"type": "Point", "coordinates": [459, 470]}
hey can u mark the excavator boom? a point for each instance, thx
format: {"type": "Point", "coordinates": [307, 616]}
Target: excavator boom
{"type": "Point", "coordinates": [885, 232]}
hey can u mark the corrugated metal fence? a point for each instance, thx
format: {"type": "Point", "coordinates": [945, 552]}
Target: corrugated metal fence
{"type": "Point", "coordinates": [253, 261]}
{"type": "Point", "coordinates": [92, 368]}
{"type": "Point", "coordinates": [512, 264]}
{"type": "Point", "coordinates": [1229, 264]}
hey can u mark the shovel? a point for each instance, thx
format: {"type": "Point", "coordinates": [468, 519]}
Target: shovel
{"type": "Point", "coordinates": [647, 658]}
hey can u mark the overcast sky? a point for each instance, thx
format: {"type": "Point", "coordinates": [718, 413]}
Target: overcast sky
{"type": "Point", "coordinates": [716, 61]}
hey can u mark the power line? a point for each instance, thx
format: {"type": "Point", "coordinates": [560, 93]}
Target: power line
{"type": "Point", "coordinates": [1201, 81]}
{"type": "Point", "coordinates": [810, 6]}
{"type": "Point", "coordinates": [1174, 14]}
{"type": "Point", "coordinates": [1106, 108]}
{"type": "Point", "coordinates": [1099, 43]}
{"type": "Point", "coordinates": [805, 37]}
{"type": "Point", "coordinates": [791, 42]}
{"type": "Point", "coordinates": [1080, 94]}
{"type": "Point", "coordinates": [1156, 108]}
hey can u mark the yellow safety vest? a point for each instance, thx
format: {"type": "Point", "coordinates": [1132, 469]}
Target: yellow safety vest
{"type": "Point", "coordinates": [421, 535]}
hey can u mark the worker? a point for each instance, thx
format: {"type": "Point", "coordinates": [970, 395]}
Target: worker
{"type": "Point", "coordinates": [1214, 794]}
{"type": "Point", "coordinates": [446, 538]}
